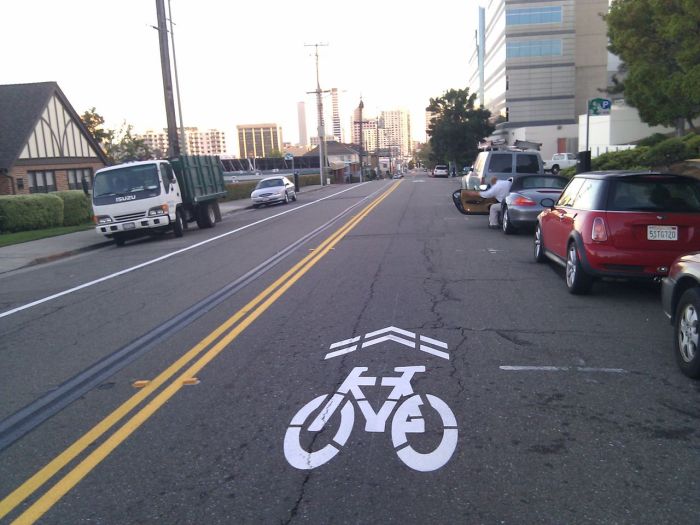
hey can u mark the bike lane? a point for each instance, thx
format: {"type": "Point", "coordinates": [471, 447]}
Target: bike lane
{"type": "Point", "coordinates": [233, 448]}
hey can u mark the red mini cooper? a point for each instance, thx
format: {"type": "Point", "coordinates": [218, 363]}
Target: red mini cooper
{"type": "Point", "coordinates": [619, 224]}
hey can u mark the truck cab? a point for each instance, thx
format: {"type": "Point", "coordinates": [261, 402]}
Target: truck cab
{"type": "Point", "coordinates": [130, 198]}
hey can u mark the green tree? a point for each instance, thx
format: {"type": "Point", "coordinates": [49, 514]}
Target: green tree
{"type": "Point", "coordinates": [275, 154]}
{"type": "Point", "coordinates": [94, 123]}
{"type": "Point", "coordinates": [121, 145]}
{"type": "Point", "coordinates": [659, 45]}
{"type": "Point", "coordinates": [457, 127]}
{"type": "Point", "coordinates": [423, 155]}
{"type": "Point", "coordinates": [125, 147]}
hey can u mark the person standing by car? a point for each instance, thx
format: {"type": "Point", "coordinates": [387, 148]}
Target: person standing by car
{"type": "Point", "coordinates": [499, 190]}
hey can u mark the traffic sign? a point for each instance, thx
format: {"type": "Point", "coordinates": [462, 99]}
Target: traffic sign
{"type": "Point", "coordinates": [599, 106]}
{"type": "Point", "coordinates": [289, 156]}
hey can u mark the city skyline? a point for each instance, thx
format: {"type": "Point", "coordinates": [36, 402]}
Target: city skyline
{"type": "Point", "coordinates": [225, 80]}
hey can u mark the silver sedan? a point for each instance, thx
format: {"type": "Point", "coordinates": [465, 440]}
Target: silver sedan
{"type": "Point", "coordinates": [273, 190]}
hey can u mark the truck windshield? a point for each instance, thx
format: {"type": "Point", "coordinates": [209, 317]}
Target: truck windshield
{"type": "Point", "coordinates": [130, 179]}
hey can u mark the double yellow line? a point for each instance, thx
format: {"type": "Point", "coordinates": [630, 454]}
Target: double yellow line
{"type": "Point", "coordinates": [215, 342]}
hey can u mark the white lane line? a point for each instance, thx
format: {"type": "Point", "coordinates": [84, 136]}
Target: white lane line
{"type": "Point", "coordinates": [163, 257]}
{"type": "Point", "coordinates": [434, 352]}
{"type": "Point", "coordinates": [343, 343]}
{"type": "Point", "coordinates": [401, 340]}
{"type": "Point", "coordinates": [433, 342]}
{"type": "Point", "coordinates": [563, 369]}
{"type": "Point", "coordinates": [391, 329]}
{"type": "Point", "coordinates": [341, 352]}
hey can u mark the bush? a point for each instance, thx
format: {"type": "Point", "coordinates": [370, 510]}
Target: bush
{"type": "Point", "coordinates": [621, 160]}
{"type": "Point", "coordinates": [30, 212]}
{"type": "Point", "coordinates": [693, 142]}
{"type": "Point", "coordinates": [667, 152]}
{"type": "Point", "coordinates": [77, 208]}
{"type": "Point", "coordinates": [652, 140]}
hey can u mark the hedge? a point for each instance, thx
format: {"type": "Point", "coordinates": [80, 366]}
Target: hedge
{"type": "Point", "coordinates": [30, 212]}
{"type": "Point", "coordinates": [77, 208]}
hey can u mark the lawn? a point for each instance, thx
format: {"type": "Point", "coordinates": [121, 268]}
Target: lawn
{"type": "Point", "coordinates": [7, 239]}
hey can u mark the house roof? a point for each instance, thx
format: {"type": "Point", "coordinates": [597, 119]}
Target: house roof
{"type": "Point", "coordinates": [21, 106]}
{"type": "Point", "coordinates": [333, 148]}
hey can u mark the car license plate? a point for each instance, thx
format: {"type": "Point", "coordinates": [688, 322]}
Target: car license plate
{"type": "Point", "coordinates": [129, 226]}
{"type": "Point", "coordinates": [662, 233]}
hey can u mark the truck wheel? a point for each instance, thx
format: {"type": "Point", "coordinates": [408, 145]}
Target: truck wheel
{"type": "Point", "coordinates": [119, 239]}
{"type": "Point", "coordinates": [210, 218]}
{"type": "Point", "coordinates": [555, 169]}
{"type": "Point", "coordinates": [178, 225]}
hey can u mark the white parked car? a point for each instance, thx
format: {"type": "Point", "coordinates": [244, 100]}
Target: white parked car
{"type": "Point", "coordinates": [559, 162]}
{"type": "Point", "coordinates": [272, 190]}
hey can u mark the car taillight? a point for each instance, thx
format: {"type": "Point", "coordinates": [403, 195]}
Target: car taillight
{"type": "Point", "coordinates": [523, 201]}
{"type": "Point", "coordinates": [599, 233]}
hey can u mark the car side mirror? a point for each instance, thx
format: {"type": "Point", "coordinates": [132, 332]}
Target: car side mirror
{"type": "Point", "coordinates": [547, 203]}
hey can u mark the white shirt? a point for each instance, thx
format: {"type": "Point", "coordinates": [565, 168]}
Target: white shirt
{"type": "Point", "coordinates": [498, 191]}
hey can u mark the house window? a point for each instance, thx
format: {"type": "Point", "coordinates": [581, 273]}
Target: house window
{"type": "Point", "coordinates": [75, 178]}
{"type": "Point", "coordinates": [41, 181]}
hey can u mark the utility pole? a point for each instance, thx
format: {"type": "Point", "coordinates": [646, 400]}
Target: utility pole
{"type": "Point", "coordinates": [321, 124]}
{"type": "Point", "coordinates": [174, 147]}
{"type": "Point", "coordinates": [183, 138]}
{"type": "Point", "coordinates": [360, 107]}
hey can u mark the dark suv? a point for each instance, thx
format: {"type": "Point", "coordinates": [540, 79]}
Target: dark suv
{"type": "Point", "coordinates": [619, 224]}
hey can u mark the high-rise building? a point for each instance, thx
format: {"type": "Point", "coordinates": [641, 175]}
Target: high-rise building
{"type": "Point", "coordinates": [259, 140]}
{"type": "Point", "coordinates": [537, 64]}
{"type": "Point", "coordinates": [337, 131]}
{"type": "Point", "coordinates": [209, 142]}
{"type": "Point", "coordinates": [301, 117]}
{"type": "Point", "coordinates": [394, 130]}
{"type": "Point", "coordinates": [369, 131]}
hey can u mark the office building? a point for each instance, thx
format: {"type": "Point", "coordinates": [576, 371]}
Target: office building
{"type": "Point", "coordinates": [301, 117]}
{"type": "Point", "coordinates": [259, 140]}
{"type": "Point", "coordinates": [534, 66]}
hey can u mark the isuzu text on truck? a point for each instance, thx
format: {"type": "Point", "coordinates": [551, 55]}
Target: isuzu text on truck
{"type": "Point", "coordinates": [154, 196]}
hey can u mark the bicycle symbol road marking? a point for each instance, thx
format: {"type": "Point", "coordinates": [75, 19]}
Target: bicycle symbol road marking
{"type": "Point", "coordinates": [407, 419]}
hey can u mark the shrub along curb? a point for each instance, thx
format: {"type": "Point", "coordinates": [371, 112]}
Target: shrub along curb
{"type": "Point", "coordinates": [30, 212]}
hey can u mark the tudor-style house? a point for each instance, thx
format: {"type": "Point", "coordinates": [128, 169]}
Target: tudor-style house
{"type": "Point", "coordinates": [44, 146]}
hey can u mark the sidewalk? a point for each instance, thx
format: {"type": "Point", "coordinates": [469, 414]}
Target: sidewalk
{"type": "Point", "coordinates": [53, 248]}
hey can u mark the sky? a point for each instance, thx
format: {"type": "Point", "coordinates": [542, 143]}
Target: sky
{"type": "Point", "coordinates": [241, 62]}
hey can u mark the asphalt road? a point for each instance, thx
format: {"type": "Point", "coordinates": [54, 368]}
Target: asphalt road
{"type": "Point", "coordinates": [369, 356]}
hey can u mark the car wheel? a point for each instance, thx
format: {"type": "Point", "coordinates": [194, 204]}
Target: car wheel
{"type": "Point", "coordinates": [540, 257]}
{"type": "Point", "coordinates": [507, 226]}
{"type": "Point", "coordinates": [286, 197]}
{"type": "Point", "coordinates": [178, 225]}
{"type": "Point", "coordinates": [294, 197]}
{"type": "Point", "coordinates": [685, 331]}
{"type": "Point", "coordinates": [555, 169]}
{"type": "Point", "coordinates": [577, 280]}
